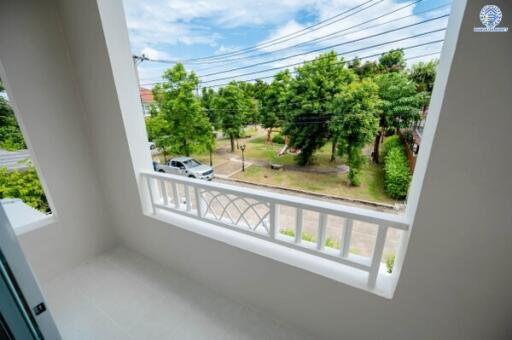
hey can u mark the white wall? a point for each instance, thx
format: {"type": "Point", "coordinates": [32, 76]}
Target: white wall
{"type": "Point", "coordinates": [452, 285]}
{"type": "Point", "coordinates": [40, 82]}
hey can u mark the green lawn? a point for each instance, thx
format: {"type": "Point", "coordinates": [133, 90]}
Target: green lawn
{"type": "Point", "coordinates": [371, 188]}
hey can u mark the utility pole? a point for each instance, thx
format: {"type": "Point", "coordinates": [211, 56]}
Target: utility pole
{"type": "Point", "coordinates": [137, 60]}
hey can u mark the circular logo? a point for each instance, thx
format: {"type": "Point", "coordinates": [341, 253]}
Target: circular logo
{"type": "Point", "coordinates": [490, 16]}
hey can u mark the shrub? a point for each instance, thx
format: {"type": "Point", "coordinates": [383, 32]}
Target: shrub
{"type": "Point", "coordinates": [390, 143]}
{"type": "Point", "coordinates": [24, 185]}
{"type": "Point", "coordinates": [397, 174]}
{"type": "Point", "coordinates": [278, 139]}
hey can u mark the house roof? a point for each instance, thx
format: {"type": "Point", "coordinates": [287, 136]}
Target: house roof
{"type": "Point", "coordinates": [146, 95]}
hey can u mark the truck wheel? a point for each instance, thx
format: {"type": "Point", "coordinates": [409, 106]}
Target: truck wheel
{"type": "Point", "coordinates": [161, 170]}
{"type": "Point", "coordinates": [191, 176]}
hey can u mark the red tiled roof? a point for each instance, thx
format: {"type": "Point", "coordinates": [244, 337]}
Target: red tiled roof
{"type": "Point", "coordinates": [146, 95]}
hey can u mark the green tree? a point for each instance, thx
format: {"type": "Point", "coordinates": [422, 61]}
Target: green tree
{"type": "Point", "coordinates": [368, 69]}
{"type": "Point", "coordinates": [24, 185]}
{"type": "Point", "coordinates": [355, 110]}
{"type": "Point", "coordinates": [315, 85]}
{"type": "Point", "coordinates": [207, 103]}
{"type": "Point", "coordinates": [274, 106]}
{"type": "Point", "coordinates": [231, 104]}
{"type": "Point", "coordinates": [400, 104]}
{"type": "Point", "coordinates": [189, 130]}
{"type": "Point", "coordinates": [250, 102]}
{"type": "Point", "coordinates": [424, 75]}
{"type": "Point", "coordinates": [392, 61]}
{"type": "Point", "coordinates": [11, 137]}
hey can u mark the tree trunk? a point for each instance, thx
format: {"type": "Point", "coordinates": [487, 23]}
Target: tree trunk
{"type": "Point", "coordinates": [333, 148]}
{"type": "Point", "coordinates": [232, 140]}
{"type": "Point", "coordinates": [269, 136]}
{"type": "Point", "coordinates": [376, 145]}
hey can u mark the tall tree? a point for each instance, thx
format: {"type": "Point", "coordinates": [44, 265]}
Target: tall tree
{"type": "Point", "coordinates": [400, 104]}
{"type": "Point", "coordinates": [231, 104]}
{"type": "Point", "coordinates": [355, 110]}
{"type": "Point", "coordinates": [274, 106]}
{"type": "Point", "coordinates": [393, 61]}
{"type": "Point", "coordinates": [424, 75]}
{"type": "Point", "coordinates": [314, 86]}
{"type": "Point", "coordinates": [208, 106]}
{"type": "Point", "coordinates": [189, 130]}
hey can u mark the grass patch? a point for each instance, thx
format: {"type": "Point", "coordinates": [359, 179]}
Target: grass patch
{"type": "Point", "coordinates": [371, 188]}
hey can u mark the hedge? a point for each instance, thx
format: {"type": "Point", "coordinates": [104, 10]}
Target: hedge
{"type": "Point", "coordinates": [397, 174]}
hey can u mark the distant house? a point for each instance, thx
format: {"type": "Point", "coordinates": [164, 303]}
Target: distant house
{"type": "Point", "coordinates": [146, 98]}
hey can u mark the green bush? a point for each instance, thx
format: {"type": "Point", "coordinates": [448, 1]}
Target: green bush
{"type": "Point", "coordinates": [24, 185]}
{"type": "Point", "coordinates": [397, 174]}
{"type": "Point", "coordinates": [390, 143]}
{"type": "Point", "coordinates": [278, 139]}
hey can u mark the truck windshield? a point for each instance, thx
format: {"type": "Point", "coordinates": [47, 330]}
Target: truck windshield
{"type": "Point", "coordinates": [191, 163]}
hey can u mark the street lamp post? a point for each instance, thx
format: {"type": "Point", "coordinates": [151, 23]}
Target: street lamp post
{"type": "Point", "coordinates": [242, 147]}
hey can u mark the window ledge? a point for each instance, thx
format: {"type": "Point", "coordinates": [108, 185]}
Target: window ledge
{"type": "Point", "coordinates": [24, 218]}
{"type": "Point", "coordinates": [353, 277]}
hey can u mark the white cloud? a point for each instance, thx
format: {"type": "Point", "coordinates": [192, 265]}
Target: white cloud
{"type": "Point", "coordinates": [152, 53]}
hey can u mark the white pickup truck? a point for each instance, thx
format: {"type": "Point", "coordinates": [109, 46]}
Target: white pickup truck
{"type": "Point", "coordinates": [186, 166]}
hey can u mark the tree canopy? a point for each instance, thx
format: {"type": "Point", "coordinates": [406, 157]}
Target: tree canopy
{"type": "Point", "coordinates": [355, 109]}
{"type": "Point", "coordinates": [315, 85]}
{"type": "Point", "coordinates": [231, 103]}
{"type": "Point", "coordinates": [183, 125]}
{"type": "Point", "coordinates": [273, 105]}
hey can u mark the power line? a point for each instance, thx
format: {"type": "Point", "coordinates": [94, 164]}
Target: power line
{"type": "Point", "coordinates": [331, 35]}
{"type": "Point", "coordinates": [347, 61]}
{"type": "Point", "coordinates": [250, 48]}
{"type": "Point", "coordinates": [303, 62]}
{"type": "Point", "coordinates": [267, 44]}
{"type": "Point", "coordinates": [318, 50]}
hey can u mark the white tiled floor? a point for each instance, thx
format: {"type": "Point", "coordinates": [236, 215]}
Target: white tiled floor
{"type": "Point", "coordinates": [121, 295]}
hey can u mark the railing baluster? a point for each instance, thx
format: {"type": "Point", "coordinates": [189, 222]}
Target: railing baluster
{"type": "Point", "coordinates": [199, 201]}
{"type": "Point", "coordinates": [346, 238]}
{"type": "Point", "coordinates": [322, 231]}
{"type": "Point", "coordinates": [378, 249]}
{"type": "Point", "coordinates": [150, 191]}
{"type": "Point", "coordinates": [298, 226]}
{"type": "Point", "coordinates": [163, 189]}
{"type": "Point", "coordinates": [187, 196]}
{"type": "Point", "coordinates": [274, 220]}
{"type": "Point", "coordinates": [176, 195]}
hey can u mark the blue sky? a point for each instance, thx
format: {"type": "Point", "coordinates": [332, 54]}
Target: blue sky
{"type": "Point", "coordinates": [184, 29]}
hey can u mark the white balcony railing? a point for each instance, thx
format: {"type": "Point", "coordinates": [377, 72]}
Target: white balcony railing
{"type": "Point", "coordinates": [257, 213]}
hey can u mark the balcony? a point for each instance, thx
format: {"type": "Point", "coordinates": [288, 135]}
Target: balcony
{"type": "Point", "coordinates": [122, 295]}
{"type": "Point", "coordinates": [134, 254]}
